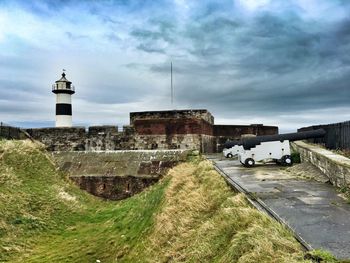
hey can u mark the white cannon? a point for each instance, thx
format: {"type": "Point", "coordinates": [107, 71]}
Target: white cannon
{"type": "Point", "coordinates": [268, 147]}
{"type": "Point", "coordinates": [233, 151]}
{"type": "Point", "coordinates": [276, 150]}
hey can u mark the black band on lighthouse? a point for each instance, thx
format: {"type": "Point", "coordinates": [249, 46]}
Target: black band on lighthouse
{"type": "Point", "coordinates": [63, 109]}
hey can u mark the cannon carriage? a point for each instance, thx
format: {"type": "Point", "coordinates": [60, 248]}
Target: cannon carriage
{"type": "Point", "coordinates": [268, 147]}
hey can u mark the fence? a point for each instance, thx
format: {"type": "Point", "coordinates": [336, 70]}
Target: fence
{"type": "Point", "coordinates": [9, 132]}
{"type": "Point", "coordinates": [337, 135]}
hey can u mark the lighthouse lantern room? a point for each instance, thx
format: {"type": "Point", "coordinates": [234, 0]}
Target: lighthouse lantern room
{"type": "Point", "coordinates": [64, 91]}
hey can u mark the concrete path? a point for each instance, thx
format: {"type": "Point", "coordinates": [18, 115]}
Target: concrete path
{"type": "Point", "coordinates": [313, 210]}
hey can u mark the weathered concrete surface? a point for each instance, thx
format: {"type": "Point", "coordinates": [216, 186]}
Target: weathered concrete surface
{"type": "Point", "coordinates": [314, 210]}
{"type": "Point", "coordinates": [336, 167]}
{"type": "Point", "coordinates": [117, 175]}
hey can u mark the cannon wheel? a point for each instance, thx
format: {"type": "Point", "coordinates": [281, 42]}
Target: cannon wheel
{"type": "Point", "coordinates": [286, 160]}
{"type": "Point", "coordinates": [229, 155]}
{"type": "Point", "coordinates": [249, 162]}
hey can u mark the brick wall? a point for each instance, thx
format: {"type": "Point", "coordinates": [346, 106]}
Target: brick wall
{"type": "Point", "coordinates": [172, 126]}
{"type": "Point", "coordinates": [173, 114]}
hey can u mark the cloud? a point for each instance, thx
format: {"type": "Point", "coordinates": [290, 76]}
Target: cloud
{"type": "Point", "coordinates": [280, 62]}
{"type": "Point", "coordinates": [72, 36]}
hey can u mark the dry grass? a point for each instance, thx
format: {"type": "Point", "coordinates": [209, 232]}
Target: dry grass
{"type": "Point", "coordinates": [189, 216]}
{"type": "Point", "coordinates": [202, 220]}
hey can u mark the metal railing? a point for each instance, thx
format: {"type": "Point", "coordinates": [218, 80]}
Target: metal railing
{"type": "Point", "coordinates": [55, 87]}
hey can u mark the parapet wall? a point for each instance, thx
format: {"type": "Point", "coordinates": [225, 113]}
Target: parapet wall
{"type": "Point", "coordinates": [60, 139]}
{"type": "Point", "coordinates": [336, 167]}
{"type": "Point", "coordinates": [96, 138]}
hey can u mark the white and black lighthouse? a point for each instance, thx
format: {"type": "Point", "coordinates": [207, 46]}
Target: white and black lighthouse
{"type": "Point", "coordinates": [64, 91]}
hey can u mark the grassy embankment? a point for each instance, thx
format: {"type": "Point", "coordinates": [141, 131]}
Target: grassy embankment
{"type": "Point", "coordinates": [189, 216]}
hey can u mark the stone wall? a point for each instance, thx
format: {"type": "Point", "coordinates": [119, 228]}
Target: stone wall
{"type": "Point", "coordinates": [181, 141]}
{"type": "Point", "coordinates": [117, 174]}
{"type": "Point", "coordinates": [182, 129]}
{"type": "Point", "coordinates": [101, 138]}
{"type": "Point", "coordinates": [96, 138]}
{"type": "Point", "coordinates": [336, 167]}
{"type": "Point", "coordinates": [60, 139]}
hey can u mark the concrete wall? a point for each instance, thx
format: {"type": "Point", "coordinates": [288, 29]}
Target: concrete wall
{"type": "Point", "coordinates": [336, 167]}
{"type": "Point", "coordinates": [117, 174]}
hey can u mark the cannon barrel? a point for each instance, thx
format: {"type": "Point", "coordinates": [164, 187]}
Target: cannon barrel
{"type": "Point", "coordinates": [249, 143]}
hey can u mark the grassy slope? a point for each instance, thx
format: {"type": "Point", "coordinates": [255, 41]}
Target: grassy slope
{"type": "Point", "coordinates": [45, 218]}
{"type": "Point", "coordinates": [190, 216]}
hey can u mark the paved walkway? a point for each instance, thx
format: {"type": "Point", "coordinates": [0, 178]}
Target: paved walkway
{"type": "Point", "coordinates": [313, 210]}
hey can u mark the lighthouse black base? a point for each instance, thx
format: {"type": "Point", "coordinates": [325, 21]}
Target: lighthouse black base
{"type": "Point", "coordinates": [63, 109]}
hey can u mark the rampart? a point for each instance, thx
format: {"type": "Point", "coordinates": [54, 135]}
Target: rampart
{"type": "Point", "coordinates": [117, 175]}
{"type": "Point", "coordinates": [176, 129]}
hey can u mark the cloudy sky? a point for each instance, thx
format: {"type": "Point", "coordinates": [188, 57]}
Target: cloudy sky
{"type": "Point", "coordinates": [276, 62]}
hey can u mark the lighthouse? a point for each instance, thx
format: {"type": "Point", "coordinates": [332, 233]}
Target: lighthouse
{"type": "Point", "coordinates": [64, 91]}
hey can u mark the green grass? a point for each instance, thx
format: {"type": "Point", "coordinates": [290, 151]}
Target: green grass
{"type": "Point", "coordinates": [189, 216]}
{"type": "Point", "coordinates": [39, 225]}
{"type": "Point", "coordinates": [295, 157]}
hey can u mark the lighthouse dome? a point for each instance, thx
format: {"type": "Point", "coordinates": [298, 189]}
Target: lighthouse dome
{"type": "Point", "coordinates": [63, 78]}
{"type": "Point", "coordinates": [63, 85]}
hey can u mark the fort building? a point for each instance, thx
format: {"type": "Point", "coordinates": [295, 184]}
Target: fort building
{"type": "Point", "coordinates": [171, 129]}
